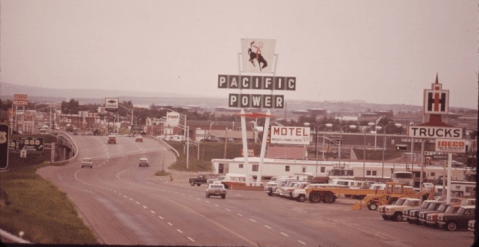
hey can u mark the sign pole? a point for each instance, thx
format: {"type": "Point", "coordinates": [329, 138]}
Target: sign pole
{"type": "Point", "coordinates": [449, 166]}
{"type": "Point", "coordinates": [245, 143]}
{"type": "Point", "coordinates": [263, 148]}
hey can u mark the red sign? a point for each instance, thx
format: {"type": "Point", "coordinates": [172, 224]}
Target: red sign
{"type": "Point", "coordinates": [20, 102]}
{"type": "Point", "coordinates": [450, 146]}
{"type": "Point", "coordinates": [19, 96]}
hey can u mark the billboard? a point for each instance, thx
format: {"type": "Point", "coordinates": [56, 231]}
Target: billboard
{"type": "Point", "coordinates": [111, 104]}
{"type": "Point", "coordinates": [258, 55]}
{"type": "Point", "coordinates": [290, 135]}
{"type": "Point", "coordinates": [450, 146]}
{"type": "Point", "coordinates": [434, 132]}
{"type": "Point", "coordinates": [172, 119]}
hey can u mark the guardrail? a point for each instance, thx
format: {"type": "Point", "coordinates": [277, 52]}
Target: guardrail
{"type": "Point", "coordinates": [170, 147]}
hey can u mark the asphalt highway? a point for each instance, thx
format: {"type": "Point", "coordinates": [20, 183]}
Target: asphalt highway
{"type": "Point", "coordinates": [126, 204]}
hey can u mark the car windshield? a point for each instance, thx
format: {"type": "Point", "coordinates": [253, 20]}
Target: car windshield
{"type": "Point", "coordinates": [400, 201]}
{"type": "Point", "coordinates": [217, 186]}
{"type": "Point", "coordinates": [433, 206]}
{"type": "Point", "coordinates": [461, 210]}
{"type": "Point", "coordinates": [451, 209]}
{"type": "Point", "coordinates": [425, 205]}
{"type": "Point", "coordinates": [442, 208]}
{"type": "Point", "coordinates": [409, 203]}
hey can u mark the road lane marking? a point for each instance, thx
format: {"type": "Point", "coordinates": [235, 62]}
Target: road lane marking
{"type": "Point", "coordinates": [152, 211]}
{"type": "Point", "coordinates": [301, 242]}
{"type": "Point", "coordinates": [284, 234]}
{"type": "Point", "coordinates": [191, 239]}
{"type": "Point", "coordinates": [137, 202]}
{"type": "Point", "coordinates": [131, 199]}
{"type": "Point", "coordinates": [144, 206]}
{"type": "Point", "coordinates": [252, 220]}
{"type": "Point", "coordinates": [170, 224]}
{"type": "Point", "coordinates": [207, 201]}
{"type": "Point", "coordinates": [217, 205]}
{"type": "Point", "coordinates": [240, 214]}
{"type": "Point", "coordinates": [228, 209]}
{"type": "Point", "coordinates": [160, 217]}
{"type": "Point", "coordinates": [179, 231]}
{"type": "Point", "coordinates": [269, 227]}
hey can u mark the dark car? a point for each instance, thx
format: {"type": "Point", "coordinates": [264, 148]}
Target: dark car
{"type": "Point", "coordinates": [424, 206]}
{"type": "Point", "coordinates": [431, 218]}
{"type": "Point", "coordinates": [423, 214]}
{"type": "Point", "coordinates": [451, 222]}
{"type": "Point", "coordinates": [413, 216]}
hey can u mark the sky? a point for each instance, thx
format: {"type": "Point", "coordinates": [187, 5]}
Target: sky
{"type": "Point", "coordinates": [378, 51]}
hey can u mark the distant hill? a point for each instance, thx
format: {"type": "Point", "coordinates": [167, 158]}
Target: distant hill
{"type": "Point", "coordinates": [94, 96]}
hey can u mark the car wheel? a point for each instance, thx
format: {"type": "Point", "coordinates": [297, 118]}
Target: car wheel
{"type": "Point", "coordinates": [91, 167]}
{"type": "Point", "coordinates": [373, 206]}
{"type": "Point", "coordinates": [398, 217]}
{"type": "Point", "coordinates": [385, 217]}
{"type": "Point", "coordinates": [270, 193]}
{"type": "Point", "coordinates": [328, 198]}
{"type": "Point", "coordinates": [301, 198]}
{"type": "Point", "coordinates": [315, 197]}
{"type": "Point", "coordinates": [198, 184]}
{"type": "Point", "coordinates": [192, 183]}
{"type": "Point", "coordinates": [410, 221]}
{"type": "Point", "coordinates": [207, 196]}
{"type": "Point", "coordinates": [451, 226]}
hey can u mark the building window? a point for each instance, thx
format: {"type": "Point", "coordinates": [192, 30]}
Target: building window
{"type": "Point", "coordinates": [286, 168]}
{"type": "Point", "coordinates": [323, 169]}
{"type": "Point", "coordinates": [368, 173]}
{"type": "Point", "coordinates": [375, 173]}
{"type": "Point", "coordinates": [304, 169]}
{"type": "Point", "coordinates": [254, 168]}
{"type": "Point", "coordinates": [240, 166]}
{"type": "Point", "coordinates": [433, 174]}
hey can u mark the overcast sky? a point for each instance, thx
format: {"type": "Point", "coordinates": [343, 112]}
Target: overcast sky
{"type": "Point", "coordinates": [384, 51]}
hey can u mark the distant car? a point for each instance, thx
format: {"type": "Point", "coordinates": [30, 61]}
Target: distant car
{"type": "Point", "coordinates": [215, 190]}
{"type": "Point", "coordinates": [143, 162]}
{"type": "Point", "coordinates": [138, 139]}
{"type": "Point", "coordinates": [75, 132]}
{"type": "Point", "coordinates": [87, 162]}
{"type": "Point", "coordinates": [112, 139]}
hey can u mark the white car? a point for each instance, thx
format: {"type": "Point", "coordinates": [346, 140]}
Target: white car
{"type": "Point", "coordinates": [143, 162]}
{"type": "Point", "coordinates": [87, 162]}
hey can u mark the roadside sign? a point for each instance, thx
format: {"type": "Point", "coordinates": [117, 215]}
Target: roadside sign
{"type": "Point", "coordinates": [434, 132]}
{"type": "Point", "coordinates": [450, 146]}
{"type": "Point", "coordinates": [290, 135]}
{"type": "Point", "coordinates": [111, 104]}
{"type": "Point", "coordinates": [250, 152]}
{"type": "Point", "coordinates": [172, 119]}
{"type": "Point", "coordinates": [20, 102]}
{"type": "Point", "coordinates": [4, 146]}
{"type": "Point", "coordinates": [31, 143]}
{"type": "Point", "coordinates": [20, 96]}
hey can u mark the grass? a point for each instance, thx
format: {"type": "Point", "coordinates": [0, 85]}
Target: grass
{"type": "Point", "coordinates": [162, 173]}
{"type": "Point", "coordinates": [40, 210]}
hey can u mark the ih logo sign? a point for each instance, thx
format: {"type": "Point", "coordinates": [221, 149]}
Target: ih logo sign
{"type": "Point", "coordinates": [436, 100]}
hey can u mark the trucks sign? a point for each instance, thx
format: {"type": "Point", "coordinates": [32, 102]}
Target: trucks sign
{"type": "Point", "coordinates": [434, 132]}
{"type": "Point", "coordinates": [290, 135]}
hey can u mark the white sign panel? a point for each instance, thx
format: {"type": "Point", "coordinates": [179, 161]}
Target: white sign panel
{"type": "Point", "coordinates": [111, 103]}
{"type": "Point", "coordinates": [290, 135]}
{"type": "Point", "coordinates": [450, 146]}
{"type": "Point", "coordinates": [258, 54]}
{"type": "Point", "coordinates": [172, 119]}
{"type": "Point", "coordinates": [434, 132]}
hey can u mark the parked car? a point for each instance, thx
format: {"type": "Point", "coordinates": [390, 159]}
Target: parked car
{"type": "Point", "coordinates": [395, 211]}
{"type": "Point", "coordinates": [215, 190]}
{"type": "Point", "coordinates": [470, 225]}
{"type": "Point", "coordinates": [143, 162]}
{"type": "Point", "coordinates": [268, 188]}
{"type": "Point", "coordinates": [112, 139]}
{"type": "Point", "coordinates": [413, 216]}
{"type": "Point", "coordinates": [138, 138]}
{"type": "Point", "coordinates": [201, 179]}
{"type": "Point", "coordinates": [451, 222]}
{"type": "Point", "coordinates": [87, 162]}
{"type": "Point", "coordinates": [431, 218]}
{"type": "Point", "coordinates": [424, 205]}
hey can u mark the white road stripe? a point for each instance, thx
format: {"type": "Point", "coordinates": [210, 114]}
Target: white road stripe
{"type": "Point", "coordinates": [252, 220]}
{"type": "Point", "coordinates": [191, 239]}
{"type": "Point", "coordinates": [228, 209]}
{"type": "Point", "coordinates": [170, 224]}
{"type": "Point", "coordinates": [179, 231]}
{"type": "Point", "coordinates": [217, 205]}
{"type": "Point", "coordinates": [269, 227]}
{"type": "Point", "coordinates": [240, 214]}
{"type": "Point", "coordinates": [301, 242]}
{"type": "Point", "coordinates": [137, 202]}
{"type": "Point", "coordinates": [152, 211]}
{"type": "Point", "coordinates": [284, 234]}
{"type": "Point", "coordinates": [160, 217]}
{"type": "Point", "coordinates": [144, 206]}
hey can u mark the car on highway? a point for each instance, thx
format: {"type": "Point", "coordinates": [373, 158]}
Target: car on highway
{"type": "Point", "coordinates": [451, 222]}
{"type": "Point", "coordinates": [112, 139]}
{"type": "Point", "coordinates": [138, 138]}
{"type": "Point", "coordinates": [143, 162]}
{"type": "Point", "coordinates": [87, 162]}
{"type": "Point", "coordinates": [215, 190]}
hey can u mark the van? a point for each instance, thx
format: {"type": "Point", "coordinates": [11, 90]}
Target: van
{"type": "Point", "coordinates": [234, 179]}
